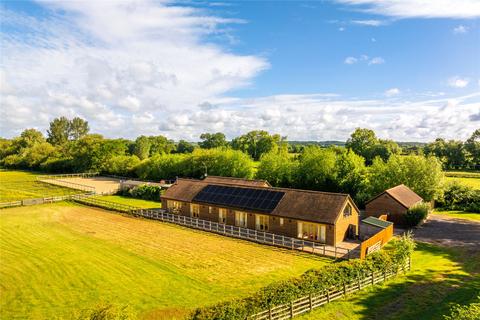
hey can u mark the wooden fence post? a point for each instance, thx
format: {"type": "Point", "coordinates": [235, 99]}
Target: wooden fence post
{"type": "Point", "coordinates": [384, 275]}
{"type": "Point", "coordinates": [344, 289]}
{"type": "Point", "coordinates": [270, 313]}
{"type": "Point", "coordinates": [328, 295]}
{"type": "Point", "coordinates": [291, 309]}
{"type": "Point", "coordinates": [310, 301]}
{"type": "Point", "coordinates": [373, 278]}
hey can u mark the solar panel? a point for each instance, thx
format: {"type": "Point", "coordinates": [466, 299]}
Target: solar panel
{"type": "Point", "coordinates": [242, 198]}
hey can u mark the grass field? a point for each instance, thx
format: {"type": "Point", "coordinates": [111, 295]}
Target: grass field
{"type": "Point", "coordinates": [145, 204]}
{"type": "Point", "coordinates": [439, 278]}
{"type": "Point", "coordinates": [471, 182]}
{"type": "Point", "coordinates": [62, 257]}
{"type": "Point", "coordinates": [460, 214]}
{"type": "Point", "coordinates": [19, 185]}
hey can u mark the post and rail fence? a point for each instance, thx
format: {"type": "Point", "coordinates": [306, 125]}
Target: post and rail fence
{"type": "Point", "coordinates": [309, 302]}
{"type": "Point", "coordinates": [247, 234]}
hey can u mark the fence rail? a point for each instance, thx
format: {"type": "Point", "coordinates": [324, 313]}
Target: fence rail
{"type": "Point", "coordinates": [86, 199]}
{"type": "Point", "coordinates": [309, 302]}
{"type": "Point", "coordinates": [68, 175]}
{"type": "Point", "coordinates": [67, 184]}
{"type": "Point", "coordinates": [33, 201]}
{"type": "Point", "coordinates": [247, 234]}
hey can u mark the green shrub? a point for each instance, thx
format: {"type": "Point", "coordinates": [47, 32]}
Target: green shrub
{"type": "Point", "coordinates": [312, 281]}
{"type": "Point", "coordinates": [417, 214]}
{"type": "Point", "coordinates": [460, 197]}
{"type": "Point", "coordinates": [107, 311]}
{"type": "Point", "coordinates": [467, 312]}
{"type": "Point", "coordinates": [144, 191]}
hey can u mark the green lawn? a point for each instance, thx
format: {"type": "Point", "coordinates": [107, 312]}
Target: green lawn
{"type": "Point", "coordinates": [460, 214]}
{"type": "Point", "coordinates": [439, 278]}
{"type": "Point", "coordinates": [19, 185]}
{"type": "Point", "coordinates": [59, 258]}
{"type": "Point", "coordinates": [145, 204]}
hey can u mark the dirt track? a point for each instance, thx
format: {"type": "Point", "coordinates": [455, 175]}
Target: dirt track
{"type": "Point", "coordinates": [102, 185]}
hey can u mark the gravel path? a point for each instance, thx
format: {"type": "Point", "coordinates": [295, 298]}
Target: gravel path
{"type": "Point", "coordinates": [448, 231]}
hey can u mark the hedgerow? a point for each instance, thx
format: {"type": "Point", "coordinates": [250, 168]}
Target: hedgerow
{"type": "Point", "coordinates": [311, 282]}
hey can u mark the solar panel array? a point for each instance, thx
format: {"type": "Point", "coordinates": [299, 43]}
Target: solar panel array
{"type": "Point", "coordinates": [243, 198]}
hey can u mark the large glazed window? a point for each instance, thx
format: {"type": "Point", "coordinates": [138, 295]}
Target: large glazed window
{"type": "Point", "coordinates": [261, 222]}
{"type": "Point", "coordinates": [240, 219]}
{"type": "Point", "coordinates": [312, 231]}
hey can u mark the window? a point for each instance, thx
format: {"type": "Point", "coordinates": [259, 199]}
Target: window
{"type": "Point", "coordinates": [194, 210]}
{"type": "Point", "coordinates": [210, 209]}
{"type": "Point", "coordinates": [240, 219]}
{"type": "Point", "coordinates": [261, 222]}
{"type": "Point", "coordinates": [347, 212]}
{"type": "Point", "coordinates": [222, 215]}
{"type": "Point", "coordinates": [281, 222]}
{"type": "Point", "coordinates": [174, 206]}
{"type": "Point", "coordinates": [311, 231]}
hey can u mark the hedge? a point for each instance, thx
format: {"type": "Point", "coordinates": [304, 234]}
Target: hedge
{"type": "Point", "coordinates": [144, 191]}
{"type": "Point", "coordinates": [312, 281]}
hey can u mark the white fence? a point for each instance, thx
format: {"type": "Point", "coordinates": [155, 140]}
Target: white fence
{"type": "Point", "coordinates": [29, 202]}
{"type": "Point", "coordinates": [308, 303]}
{"type": "Point", "coordinates": [247, 234]}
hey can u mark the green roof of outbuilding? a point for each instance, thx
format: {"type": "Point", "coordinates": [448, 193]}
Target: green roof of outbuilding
{"type": "Point", "coordinates": [377, 222]}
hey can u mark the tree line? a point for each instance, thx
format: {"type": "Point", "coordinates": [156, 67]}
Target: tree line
{"type": "Point", "coordinates": [366, 165]}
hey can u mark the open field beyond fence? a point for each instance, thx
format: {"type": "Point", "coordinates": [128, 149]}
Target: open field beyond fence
{"type": "Point", "coordinates": [19, 185]}
{"type": "Point", "coordinates": [57, 258]}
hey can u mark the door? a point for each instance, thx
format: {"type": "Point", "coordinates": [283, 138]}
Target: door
{"type": "Point", "coordinates": [241, 219]}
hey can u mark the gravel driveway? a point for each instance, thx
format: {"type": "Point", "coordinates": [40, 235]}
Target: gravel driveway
{"type": "Point", "coordinates": [448, 231]}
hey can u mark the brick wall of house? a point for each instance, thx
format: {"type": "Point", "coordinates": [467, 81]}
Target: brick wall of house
{"type": "Point", "coordinates": [385, 204]}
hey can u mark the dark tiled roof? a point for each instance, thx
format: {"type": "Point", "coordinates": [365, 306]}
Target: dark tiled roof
{"type": "Point", "coordinates": [305, 205]}
{"type": "Point", "coordinates": [237, 181]}
{"type": "Point", "coordinates": [404, 195]}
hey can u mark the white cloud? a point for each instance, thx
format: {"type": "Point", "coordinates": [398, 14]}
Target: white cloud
{"type": "Point", "coordinates": [454, 9]}
{"type": "Point", "coordinates": [376, 60]}
{"type": "Point", "coordinates": [107, 60]}
{"type": "Point", "coordinates": [458, 82]}
{"type": "Point", "coordinates": [392, 92]}
{"type": "Point", "coordinates": [460, 29]}
{"type": "Point", "coordinates": [371, 23]}
{"type": "Point", "coordinates": [350, 60]}
{"type": "Point", "coordinates": [341, 29]}
{"type": "Point", "coordinates": [364, 58]}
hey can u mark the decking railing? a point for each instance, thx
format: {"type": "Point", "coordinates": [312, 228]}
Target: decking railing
{"type": "Point", "coordinates": [247, 234]}
{"type": "Point", "coordinates": [309, 302]}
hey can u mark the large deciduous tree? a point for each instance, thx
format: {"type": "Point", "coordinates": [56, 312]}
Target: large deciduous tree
{"type": "Point", "coordinates": [212, 140]}
{"type": "Point", "coordinates": [258, 142]}
{"type": "Point", "coordinates": [58, 132]}
{"type": "Point", "coordinates": [78, 128]}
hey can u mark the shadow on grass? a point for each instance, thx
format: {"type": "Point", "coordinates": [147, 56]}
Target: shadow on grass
{"type": "Point", "coordinates": [425, 293]}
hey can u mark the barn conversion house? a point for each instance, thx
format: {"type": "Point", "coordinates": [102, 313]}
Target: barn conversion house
{"type": "Point", "coordinates": [393, 202]}
{"type": "Point", "coordinates": [323, 217]}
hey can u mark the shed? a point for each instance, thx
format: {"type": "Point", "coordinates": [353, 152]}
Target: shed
{"type": "Point", "coordinates": [393, 202]}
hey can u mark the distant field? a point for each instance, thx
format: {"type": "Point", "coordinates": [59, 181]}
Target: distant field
{"type": "Point", "coordinates": [471, 182]}
{"type": "Point", "coordinates": [439, 278]}
{"type": "Point", "coordinates": [19, 185]}
{"type": "Point", "coordinates": [463, 174]}
{"type": "Point", "coordinates": [460, 214]}
{"type": "Point", "coordinates": [59, 258]}
{"type": "Point", "coordinates": [132, 201]}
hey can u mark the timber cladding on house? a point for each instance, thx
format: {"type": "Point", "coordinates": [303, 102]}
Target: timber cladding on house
{"type": "Point", "coordinates": [312, 215]}
{"type": "Point", "coordinates": [393, 202]}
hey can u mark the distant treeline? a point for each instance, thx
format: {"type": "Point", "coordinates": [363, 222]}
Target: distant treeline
{"type": "Point", "coordinates": [363, 167]}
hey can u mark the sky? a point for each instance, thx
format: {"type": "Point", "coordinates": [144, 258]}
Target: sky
{"type": "Point", "coordinates": [308, 70]}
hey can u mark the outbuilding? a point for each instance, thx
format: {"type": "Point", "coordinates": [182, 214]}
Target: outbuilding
{"type": "Point", "coordinates": [393, 202]}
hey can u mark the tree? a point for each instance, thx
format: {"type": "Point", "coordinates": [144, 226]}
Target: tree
{"type": "Point", "coordinates": [122, 165]}
{"type": "Point", "coordinates": [142, 147]}
{"type": "Point", "coordinates": [472, 145]}
{"type": "Point", "coordinates": [421, 174]}
{"type": "Point", "coordinates": [278, 168]}
{"type": "Point", "coordinates": [184, 147]}
{"type": "Point", "coordinates": [316, 169]}
{"type": "Point", "coordinates": [58, 133]}
{"type": "Point", "coordinates": [258, 142]}
{"type": "Point", "coordinates": [212, 140]}
{"type": "Point", "coordinates": [78, 128]}
{"type": "Point", "coordinates": [351, 174]}
{"type": "Point", "coordinates": [160, 145]}
{"type": "Point", "coordinates": [361, 142]}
